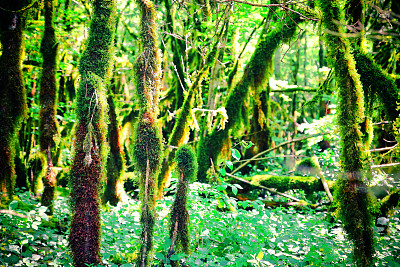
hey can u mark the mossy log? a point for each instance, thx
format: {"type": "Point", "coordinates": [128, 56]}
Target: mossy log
{"type": "Point", "coordinates": [309, 184]}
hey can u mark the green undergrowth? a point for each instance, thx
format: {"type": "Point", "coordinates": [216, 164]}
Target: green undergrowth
{"type": "Point", "coordinates": [254, 236]}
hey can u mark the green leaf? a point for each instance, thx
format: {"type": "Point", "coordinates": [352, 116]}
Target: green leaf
{"type": "Point", "coordinates": [160, 256]}
{"type": "Point", "coordinates": [236, 154]}
{"type": "Point", "coordinates": [234, 190]}
{"type": "Point", "coordinates": [13, 205]}
{"type": "Point", "coordinates": [168, 243]}
{"type": "Point", "coordinates": [175, 257]}
{"type": "Point", "coordinates": [260, 255]}
{"type": "Point", "coordinates": [222, 172]}
{"type": "Point", "coordinates": [221, 187]}
{"type": "Point", "coordinates": [229, 164]}
{"type": "Point", "coordinates": [238, 186]}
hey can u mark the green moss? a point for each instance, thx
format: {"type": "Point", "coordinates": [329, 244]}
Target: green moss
{"type": "Point", "coordinates": [186, 163]}
{"type": "Point", "coordinates": [377, 83]}
{"type": "Point", "coordinates": [308, 166]}
{"type": "Point", "coordinates": [351, 191]}
{"type": "Point", "coordinates": [389, 203]}
{"type": "Point", "coordinates": [12, 90]}
{"type": "Point", "coordinates": [179, 217]}
{"type": "Point", "coordinates": [284, 183]}
{"type": "Point", "coordinates": [87, 171]}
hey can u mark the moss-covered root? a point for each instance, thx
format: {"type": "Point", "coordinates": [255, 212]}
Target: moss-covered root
{"type": "Point", "coordinates": [12, 90]}
{"type": "Point", "coordinates": [87, 170]}
{"type": "Point", "coordinates": [48, 92]}
{"type": "Point", "coordinates": [147, 147]}
{"type": "Point", "coordinates": [179, 217]}
{"type": "Point", "coordinates": [351, 192]}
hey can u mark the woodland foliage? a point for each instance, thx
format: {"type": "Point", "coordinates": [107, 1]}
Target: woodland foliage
{"type": "Point", "coordinates": [199, 133]}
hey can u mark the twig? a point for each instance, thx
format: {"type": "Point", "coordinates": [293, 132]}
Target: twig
{"type": "Point", "coordinates": [385, 165]}
{"type": "Point", "coordinates": [273, 148]}
{"type": "Point", "coordinates": [382, 149]}
{"type": "Point", "coordinates": [263, 187]}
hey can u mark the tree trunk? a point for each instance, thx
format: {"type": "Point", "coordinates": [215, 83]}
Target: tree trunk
{"type": "Point", "coordinates": [48, 94]}
{"type": "Point", "coordinates": [88, 166]}
{"type": "Point", "coordinates": [12, 89]}
{"type": "Point", "coordinates": [147, 147]}
{"type": "Point", "coordinates": [351, 193]}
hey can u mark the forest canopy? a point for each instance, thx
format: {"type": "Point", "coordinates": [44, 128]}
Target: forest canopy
{"type": "Point", "coordinates": [199, 133]}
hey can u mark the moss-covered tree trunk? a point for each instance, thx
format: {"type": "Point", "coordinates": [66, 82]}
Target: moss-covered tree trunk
{"type": "Point", "coordinates": [48, 94]}
{"type": "Point", "coordinates": [179, 217]}
{"type": "Point", "coordinates": [255, 76]}
{"type": "Point", "coordinates": [147, 147]}
{"type": "Point", "coordinates": [351, 193]}
{"type": "Point", "coordinates": [88, 166]}
{"type": "Point", "coordinates": [12, 90]}
{"type": "Point", "coordinates": [114, 189]}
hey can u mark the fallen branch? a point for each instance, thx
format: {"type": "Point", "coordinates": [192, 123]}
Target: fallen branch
{"type": "Point", "coordinates": [263, 187]}
{"type": "Point", "coordinates": [11, 212]}
{"type": "Point", "coordinates": [275, 147]}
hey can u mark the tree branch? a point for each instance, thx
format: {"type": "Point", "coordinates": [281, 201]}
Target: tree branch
{"type": "Point", "coordinates": [273, 148]}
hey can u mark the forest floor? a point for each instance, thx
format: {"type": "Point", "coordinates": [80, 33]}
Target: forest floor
{"type": "Point", "coordinates": [252, 236]}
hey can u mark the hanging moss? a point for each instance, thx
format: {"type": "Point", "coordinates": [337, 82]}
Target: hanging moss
{"type": "Point", "coordinates": [256, 75]}
{"type": "Point", "coordinates": [377, 83]}
{"type": "Point", "coordinates": [147, 146]}
{"type": "Point", "coordinates": [48, 127]}
{"type": "Point", "coordinates": [179, 217]}
{"type": "Point", "coordinates": [351, 191]}
{"type": "Point", "coordinates": [12, 90]}
{"type": "Point", "coordinates": [87, 169]}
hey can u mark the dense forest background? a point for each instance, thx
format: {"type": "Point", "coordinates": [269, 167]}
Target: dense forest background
{"type": "Point", "coordinates": [199, 133]}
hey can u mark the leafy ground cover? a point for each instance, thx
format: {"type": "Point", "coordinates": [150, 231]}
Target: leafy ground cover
{"type": "Point", "coordinates": [253, 236]}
